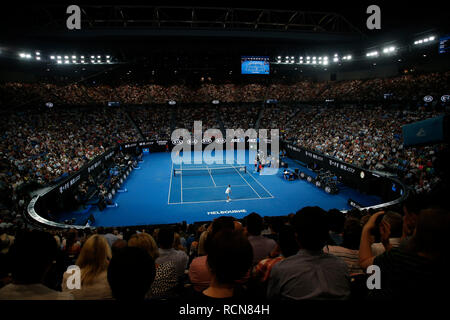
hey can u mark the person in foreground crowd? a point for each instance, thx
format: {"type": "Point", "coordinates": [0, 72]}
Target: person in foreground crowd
{"type": "Point", "coordinates": [167, 253]}
{"type": "Point", "coordinates": [419, 269]}
{"type": "Point", "coordinates": [166, 276]}
{"type": "Point", "coordinates": [287, 246]}
{"type": "Point", "coordinates": [311, 273]}
{"type": "Point", "coordinates": [390, 230]}
{"type": "Point", "coordinates": [32, 255]}
{"type": "Point", "coordinates": [199, 271]}
{"type": "Point", "coordinates": [262, 246]}
{"type": "Point", "coordinates": [199, 274]}
{"type": "Point", "coordinates": [349, 249]}
{"type": "Point", "coordinates": [229, 260]}
{"type": "Point", "coordinates": [131, 273]}
{"type": "Point", "coordinates": [93, 263]}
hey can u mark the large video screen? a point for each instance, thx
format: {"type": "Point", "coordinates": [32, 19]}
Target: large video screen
{"type": "Point", "coordinates": [444, 44]}
{"type": "Point", "coordinates": [255, 65]}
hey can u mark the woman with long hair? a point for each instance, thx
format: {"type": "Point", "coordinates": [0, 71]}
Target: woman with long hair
{"type": "Point", "coordinates": [93, 263]}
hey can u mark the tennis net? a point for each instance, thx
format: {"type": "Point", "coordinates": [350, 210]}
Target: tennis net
{"type": "Point", "coordinates": [208, 171]}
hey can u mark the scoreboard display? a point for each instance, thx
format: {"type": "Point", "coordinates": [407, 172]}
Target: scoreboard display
{"type": "Point", "coordinates": [444, 44]}
{"type": "Point", "coordinates": [255, 65]}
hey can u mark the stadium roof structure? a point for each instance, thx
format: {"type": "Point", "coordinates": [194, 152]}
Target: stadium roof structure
{"type": "Point", "coordinates": [149, 20]}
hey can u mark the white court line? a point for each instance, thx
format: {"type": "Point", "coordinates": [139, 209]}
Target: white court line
{"type": "Point", "coordinates": [260, 184]}
{"type": "Point", "coordinates": [181, 167]}
{"type": "Point", "coordinates": [209, 171]}
{"type": "Point", "coordinates": [239, 185]}
{"type": "Point", "coordinates": [170, 185]}
{"type": "Point", "coordinates": [207, 201]}
{"type": "Point", "coordinates": [246, 181]}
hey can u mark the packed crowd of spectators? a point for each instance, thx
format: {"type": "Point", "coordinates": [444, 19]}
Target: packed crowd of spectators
{"type": "Point", "coordinates": [239, 116]}
{"type": "Point", "coordinates": [312, 254]}
{"type": "Point", "coordinates": [366, 136]}
{"type": "Point", "coordinates": [404, 87]}
{"type": "Point", "coordinates": [154, 122]}
{"type": "Point", "coordinates": [42, 146]}
{"type": "Point", "coordinates": [185, 117]}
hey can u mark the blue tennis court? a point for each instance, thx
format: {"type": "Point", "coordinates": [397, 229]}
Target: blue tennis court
{"type": "Point", "coordinates": [163, 191]}
{"type": "Point", "coordinates": [201, 183]}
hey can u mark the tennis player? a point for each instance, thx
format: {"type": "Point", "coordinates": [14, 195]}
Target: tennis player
{"type": "Point", "coordinates": [228, 192]}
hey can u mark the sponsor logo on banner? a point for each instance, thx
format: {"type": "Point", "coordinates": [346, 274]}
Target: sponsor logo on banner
{"type": "Point", "coordinates": [69, 183]}
{"type": "Point", "coordinates": [162, 142]}
{"type": "Point", "coordinates": [428, 98]}
{"type": "Point", "coordinates": [341, 166]}
{"type": "Point", "coordinates": [177, 141]}
{"type": "Point", "coordinates": [313, 155]}
{"type": "Point", "coordinates": [95, 165]}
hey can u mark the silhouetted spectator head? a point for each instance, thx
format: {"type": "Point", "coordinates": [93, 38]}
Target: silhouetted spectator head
{"type": "Point", "coordinates": [222, 223]}
{"type": "Point", "coordinates": [254, 224]}
{"type": "Point", "coordinates": [412, 206]}
{"type": "Point", "coordinates": [218, 225]}
{"type": "Point", "coordinates": [287, 241]}
{"type": "Point", "coordinates": [166, 235]}
{"type": "Point", "coordinates": [117, 245]}
{"type": "Point", "coordinates": [276, 223]}
{"type": "Point", "coordinates": [352, 234]}
{"type": "Point", "coordinates": [336, 220]}
{"type": "Point", "coordinates": [32, 255]}
{"type": "Point", "coordinates": [230, 256]}
{"type": "Point", "coordinates": [131, 273]}
{"type": "Point", "coordinates": [311, 227]}
{"type": "Point", "coordinates": [431, 234]}
{"type": "Point", "coordinates": [395, 221]}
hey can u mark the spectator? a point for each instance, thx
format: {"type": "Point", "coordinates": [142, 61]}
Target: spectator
{"type": "Point", "coordinates": [130, 274]}
{"type": "Point", "coordinates": [168, 254]}
{"type": "Point", "coordinates": [229, 260]}
{"type": "Point", "coordinates": [288, 246]}
{"type": "Point", "coordinates": [311, 273]}
{"type": "Point", "coordinates": [31, 257]}
{"type": "Point", "coordinates": [117, 245]}
{"type": "Point", "coordinates": [166, 277]}
{"type": "Point", "coordinates": [93, 263]}
{"type": "Point", "coordinates": [109, 235]}
{"type": "Point", "coordinates": [418, 270]}
{"type": "Point", "coordinates": [177, 243]}
{"type": "Point", "coordinates": [349, 250]}
{"type": "Point", "coordinates": [336, 224]}
{"type": "Point", "coordinates": [262, 246]}
{"type": "Point", "coordinates": [199, 272]}
{"type": "Point", "coordinates": [390, 230]}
